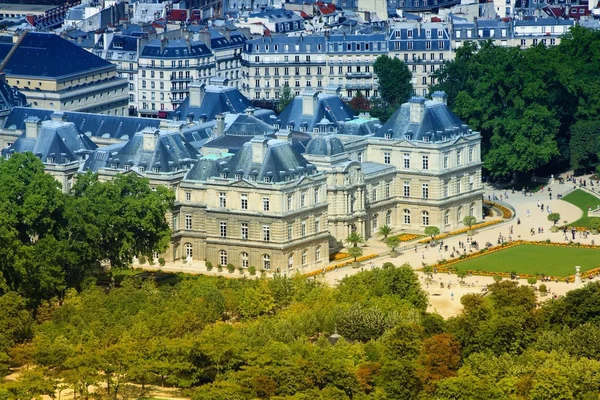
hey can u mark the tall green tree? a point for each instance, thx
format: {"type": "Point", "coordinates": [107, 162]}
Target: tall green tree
{"type": "Point", "coordinates": [584, 144]}
{"type": "Point", "coordinates": [285, 98]}
{"type": "Point", "coordinates": [394, 79]}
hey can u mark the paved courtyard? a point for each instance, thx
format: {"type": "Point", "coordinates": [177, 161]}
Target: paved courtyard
{"type": "Point", "coordinates": [446, 301]}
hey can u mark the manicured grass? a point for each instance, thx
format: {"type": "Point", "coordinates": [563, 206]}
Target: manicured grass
{"type": "Point", "coordinates": [536, 259]}
{"type": "Point", "coordinates": [583, 200]}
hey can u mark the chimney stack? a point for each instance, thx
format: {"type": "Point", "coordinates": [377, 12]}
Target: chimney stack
{"type": "Point", "coordinates": [309, 101]}
{"type": "Point", "coordinates": [220, 127]}
{"type": "Point", "coordinates": [440, 96]}
{"type": "Point", "coordinates": [259, 149]}
{"type": "Point", "coordinates": [32, 126]}
{"type": "Point", "coordinates": [417, 109]}
{"type": "Point", "coordinates": [150, 138]}
{"type": "Point", "coordinates": [196, 93]}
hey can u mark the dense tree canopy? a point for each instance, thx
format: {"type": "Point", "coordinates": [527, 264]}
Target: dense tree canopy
{"type": "Point", "coordinates": [525, 101]}
{"type": "Point", "coordinates": [50, 241]}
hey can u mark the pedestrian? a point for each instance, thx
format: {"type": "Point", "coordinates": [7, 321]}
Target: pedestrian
{"type": "Point", "coordinates": [528, 212]}
{"type": "Point", "coordinates": [452, 296]}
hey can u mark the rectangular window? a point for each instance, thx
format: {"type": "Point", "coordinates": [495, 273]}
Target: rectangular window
{"type": "Point", "coordinates": [188, 196]}
{"type": "Point", "coordinates": [406, 157]}
{"type": "Point", "coordinates": [303, 199]}
{"type": "Point", "coordinates": [223, 229]}
{"type": "Point", "coordinates": [425, 162]}
{"type": "Point", "coordinates": [374, 195]}
{"type": "Point", "coordinates": [244, 201]}
{"type": "Point", "coordinates": [222, 199]}
{"type": "Point", "coordinates": [458, 157]}
{"type": "Point", "coordinates": [446, 161]}
{"type": "Point", "coordinates": [289, 202]}
{"type": "Point", "coordinates": [471, 154]}
{"type": "Point", "coordinates": [425, 190]}
{"type": "Point", "coordinates": [387, 190]}
{"type": "Point", "coordinates": [317, 225]}
{"type": "Point", "coordinates": [266, 233]}
{"type": "Point", "coordinates": [459, 186]}
{"type": "Point", "coordinates": [266, 204]}
{"type": "Point", "coordinates": [244, 231]}
{"type": "Point", "coordinates": [303, 229]}
{"type": "Point", "coordinates": [317, 196]}
{"type": "Point", "coordinates": [387, 158]}
{"type": "Point", "coordinates": [290, 230]}
{"type": "Point", "coordinates": [188, 221]}
{"type": "Point", "coordinates": [406, 189]}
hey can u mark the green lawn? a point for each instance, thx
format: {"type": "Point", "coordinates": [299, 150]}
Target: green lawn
{"type": "Point", "coordinates": [583, 200]}
{"type": "Point", "coordinates": [536, 259]}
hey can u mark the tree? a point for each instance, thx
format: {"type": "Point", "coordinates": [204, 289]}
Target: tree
{"type": "Point", "coordinates": [384, 231]}
{"type": "Point", "coordinates": [355, 238]}
{"type": "Point", "coordinates": [584, 145]}
{"type": "Point", "coordinates": [392, 242]}
{"type": "Point", "coordinates": [469, 221]}
{"type": "Point", "coordinates": [554, 217]}
{"type": "Point", "coordinates": [532, 280]}
{"type": "Point", "coordinates": [355, 252]}
{"type": "Point", "coordinates": [285, 98]}
{"type": "Point", "coordinates": [432, 231]}
{"type": "Point", "coordinates": [595, 223]}
{"type": "Point", "coordinates": [462, 274]}
{"type": "Point", "coordinates": [439, 359]}
{"type": "Point", "coordinates": [394, 79]}
{"type": "Point", "coordinates": [359, 103]}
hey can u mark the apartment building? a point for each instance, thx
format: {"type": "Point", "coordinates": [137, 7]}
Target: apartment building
{"type": "Point", "coordinates": [301, 62]}
{"type": "Point", "coordinates": [424, 47]}
{"type": "Point", "coordinates": [166, 68]}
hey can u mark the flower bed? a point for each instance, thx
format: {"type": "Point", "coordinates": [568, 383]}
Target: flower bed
{"type": "Point", "coordinates": [341, 265]}
{"type": "Point", "coordinates": [462, 230]}
{"type": "Point", "coordinates": [506, 212]}
{"type": "Point", "coordinates": [407, 237]}
{"type": "Point", "coordinates": [339, 256]}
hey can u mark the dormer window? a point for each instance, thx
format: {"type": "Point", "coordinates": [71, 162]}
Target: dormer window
{"type": "Point", "coordinates": [267, 179]}
{"type": "Point", "coordinates": [114, 166]}
{"type": "Point", "coordinates": [156, 170]}
{"type": "Point", "coordinates": [142, 169]}
{"type": "Point", "coordinates": [388, 135]}
{"type": "Point", "coordinates": [223, 175]}
{"type": "Point", "coordinates": [238, 177]}
{"type": "Point", "coordinates": [50, 160]}
{"type": "Point", "coordinates": [127, 167]}
{"type": "Point", "coordinates": [253, 178]}
{"type": "Point", "coordinates": [407, 137]}
{"type": "Point", "coordinates": [426, 138]}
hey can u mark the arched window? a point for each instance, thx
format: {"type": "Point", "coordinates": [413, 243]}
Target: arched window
{"type": "Point", "coordinates": [266, 260]}
{"type": "Point", "coordinates": [374, 222]}
{"type": "Point", "coordinates": [425, 218]}
{"type": "Point", "coordinates": [318, 254]}
{"type": "Point", "coordinates": [189, 250]}
{"type": "Point", "coordinates": [291, 261]}
{"type": "Point", "coordinates": [459, 214]}
{"type": "Point", "coordinates": [304, 257]}
{"type": "Point", "coordinates": [388, 218]}
{"type": "Point", "coordinates": [472, 210]}
{"type": "Point", "coordinates": [447, 217]}
{"type": "Point", "coordinates": [223, 258]}
{"type": "Point", "coordinates": [244, 258]}
{"type": "Point", "coordinates": [406, 214]}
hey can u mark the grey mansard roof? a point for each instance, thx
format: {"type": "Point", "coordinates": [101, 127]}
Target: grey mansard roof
{"type": "Point", "coordinates": [327, 106]}
{"type": "Point", "coordinates": [220, 100]}
{"type": "Point", "coordinates": [324, 145]}
{"type": "Point", "coordinates": [279, 161]}
{"type": "Point", "coordinates": [435, 122]}
{"type": "Point", "coordinates": [167, 151]}
{"type": "Point", "coordinates": [98, 125]}
{"type": "Point", "coordinates": [56, 142]}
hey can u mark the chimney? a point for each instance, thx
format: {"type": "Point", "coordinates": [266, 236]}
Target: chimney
{"type": "Point", "coordinates": [440, 96]}
{"type": "Point", "coordinates": [196, 93]}
{"type": "Point", "coordinates": [249, 111]}
{"type": "Point", "coordinates": [58, 116]}
{"type": "Point", "coordinates": [163, 43]}
{"type": "Point", "coordinates": [220, 127]}
{"type": "Point", "coordinates": [107, 36]}
{"type": "Point", "coordinates": [202, 118]}
{"type": "Point", "coordinates": [284, 134]}
{"type": "Point", "coordinates": [150, 138]}
{"type": "Point", "coordinates": [32, 126]}
{"type": "Point", "coordinates": [189, 118]}
{"type": "Point", "coordinates": [259, 149]}
{"type": "Point", "coordinates": [204, 36]}
{"type": "Point", "coordinates": [309, 102]}
{"type": "Point", "coordinates": [417, 109]}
